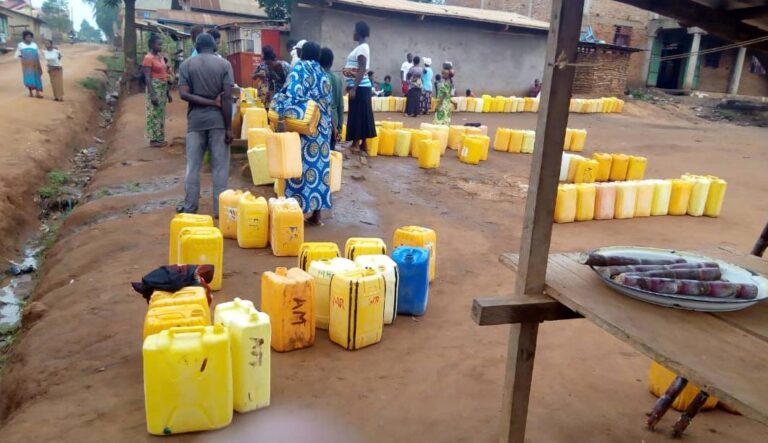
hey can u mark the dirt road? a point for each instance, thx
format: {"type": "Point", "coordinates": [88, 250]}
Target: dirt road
{"type": "Point", "coordinates": [40, 135]}
{"type": "Point", "coordinates": [76, 374]}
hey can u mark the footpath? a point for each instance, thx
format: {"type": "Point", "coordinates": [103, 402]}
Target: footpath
{"type": "Point", "coordinates": [75, 373]}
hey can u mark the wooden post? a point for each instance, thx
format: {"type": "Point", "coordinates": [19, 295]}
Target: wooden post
{"type": "Point", "coordinates": [564, 29]}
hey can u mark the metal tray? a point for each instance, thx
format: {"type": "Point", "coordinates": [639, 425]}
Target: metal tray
{"type": "Point", "coordinates": [731, 272]}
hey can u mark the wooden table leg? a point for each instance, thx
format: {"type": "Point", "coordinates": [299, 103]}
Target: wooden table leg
{"type": "Point", "coordinates": [665, 401]}
{"type": "Point", "coordinates": [690, 412]}
{"type": "Point", "coordinates": [517, 381]}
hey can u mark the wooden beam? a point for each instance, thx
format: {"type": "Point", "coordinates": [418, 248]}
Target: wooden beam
{"type": "Point", "coordinates": [564, 28]}
{"type": "Point", "coordinates": [750, 12]}
{"type": "Point", "coordinates": [519, 309]}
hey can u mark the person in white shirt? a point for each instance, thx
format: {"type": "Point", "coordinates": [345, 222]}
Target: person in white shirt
{"type": "Point", "coordinates": [360, 120]}
{"type": "Point", "coordinates": [52, 57]}
{"type": "Point", "coordinates": [296, 52]}
{"type": "Point", "coordinates": [404, 68]}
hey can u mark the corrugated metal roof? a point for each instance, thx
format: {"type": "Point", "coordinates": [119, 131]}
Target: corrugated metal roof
{"type": "Point", "coordinates": [192, 17]}
{"type": "Point", "coordinates": [153, 5]}
{"type": "Point", "coordinates": [245, 7]}
{"type": "Point", "coordinates": [456, 12]}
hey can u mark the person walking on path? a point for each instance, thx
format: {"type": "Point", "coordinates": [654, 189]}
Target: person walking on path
{"type": "Point", "coordinates": [52, 57]}
{"type": "Point", "coordinates": [404, 68]}
{"type": "Point", "coordinates": [155, 74]}
{"type": "Point", "coordinates": [307, 82]}
{"type": "Point", "coordinates": [31, 70]}
{"type": "Point", "coordinates": [444, 89]}
{"type": "Point", "coordinates": [360, 121]}
{"type": "Point", "coordinates": [205, 82]}
{"type": "Point", "coordinates": [415, 75]}
{"type": "Point", "coordinates": [426, 81]}
{"type": "Point", "coordinates": [337, 92]}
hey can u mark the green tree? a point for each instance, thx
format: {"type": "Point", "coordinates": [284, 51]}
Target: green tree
{"type": "Point", "coordinates": [129, 35]}
{"type": "Point", "coordinates": [105, 16]}
{"type": "Point", "coordinates": [88, 33]}
{"type": "Point", "coordinates": [276, 9]}
{"type": "Point", "coordinates": [56, 14]}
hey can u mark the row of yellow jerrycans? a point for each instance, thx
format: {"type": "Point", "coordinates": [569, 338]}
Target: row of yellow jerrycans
{"type": "Point", "coordinates": [395, 104]}
{"type": "Point", "coordinates": [602, 168]}
{"type": "Point", "coordinates": [497, 104]}
{"type": "Point", "coordinates": [522, 141]}
{"type": "Point", "coordinates": [196, 374]}
{"type": "Point", "coordinates": [691, 195]}
{"type": "Point", "coordinates": [593, 105]}
{"type": "Point", "coordinates": [426, 145]}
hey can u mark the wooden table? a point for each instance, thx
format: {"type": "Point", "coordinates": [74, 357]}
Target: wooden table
{"type": "Point", "coordinates": [726, 354]}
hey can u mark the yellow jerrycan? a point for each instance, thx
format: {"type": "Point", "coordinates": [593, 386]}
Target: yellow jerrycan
{"type": "Point", "coordinates": [516, 140]}
{"type": "Point", "coordinates": [644, 203]}
{"type": "Point", "coordinates": [253, 222]}
{"type": "Point", "coordinates": [429, 154]}
{"type": "Point", "coordinates": [279, 187]}
{"type": "Point", "coordinates": [662, 190]}
{"type": "Point", "coordinates": [190, 295]}
{"type": "Point", "coordinates": [487, 103]}
{"type": "Point", "coordinates": [626, 200]}
{"type": "Point", "coordinates": [357, 246]}
{"type": "Point", "coordinates": [619, 166]}
{"type": "Point", "coordinates": [484, 146]}
{"type": "Point", "coordinates": [680, 196]}
{"type": "Point", "coordinates": [471, 150]}
{"type": "Point", "coordinates": [337, 165]}
{"type": "Point", "coordinates": [259, 164]}
{"type": "Point", "coordinates": [287, 296]}
{"type": "Point", "coordinates": [203, 246]}
{"type": "Point", "coordinates": [501, 140]}
{"type": "Point", "coordinates": [257, 137]}
{"type": "Point", "coordinates": [388, 269]}
{"type": "Point", "coordinates": [160, 318]}
{"type": "Point", "coordinates": [586, 171]}
{"type": "Point", "coordinates": [715, 197]}
{"type": "Point", "coordinates": [417, 137]}
{"type": "Point", "coordinates": [187, 380]}
{"type": "Point", "coordinates": [312, 251]}
{"type": "Point", "coordinates": [636, 167]}
{"type": "Point", "coordinates": [578, 139]}
{"type": "Point", "coordinates": [253, 118]}
{"type": "Point", "coordinates": [529, 140]}
{"type": "Point", "coordinates": [573, 167]}
{"type": "Point", "coordinates": [440, 133]}
{"type": "Point", "coordinates": [568, 139]}
{"type": "Point", "coordinates": [357, 308]}
{"type": "Point", "coordinates": [323, 271]}
{"type": "Point", "coordinates": [420, 237]}
{"type": "Point", "coordinates": [585, 201]}
{"type": "Point", "coordinates": [566, 203]}
{"type": "Point", "coordinates": [286, 227]}
{"type": "Point", "coordinates": [178, 222]}
{"type": "Point", "coordinates": [605, 201]}
{"type": "Point", "coordinates": [455, 134]}
{"type": "Point", "coordinates": [387, 138]}
{"type": "Point", "coordinates": [284, 155]}
{"type": "Point", "coordinates": [603, 166]}
{"type": "Point", "coordinates": [699, 193]}
{"type": "Point", "coordinates": [228, 201]}
{"type": "Point", "coordinates": [402, 142]}
{"type": "Point", "coordinates": [250, 337]}
{"type": "Point", "coordinates": [373, 145]}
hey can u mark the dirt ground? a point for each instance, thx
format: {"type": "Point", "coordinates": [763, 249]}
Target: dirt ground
{"type": "Point", "coordinates": [40, 135]}
{"type": "Point", "coordinates": [76, 374]}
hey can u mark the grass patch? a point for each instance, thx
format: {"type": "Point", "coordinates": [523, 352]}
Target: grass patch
{"type": "Point", "coordinates": [54, 188]}
{"type": "Point", "coordinates": [90, 83]}
{"type": "Point", "coordinates": [134, 187]}
{"type": "Point", "coordinates": [113, 62]}
{"type": "Point", "coordinates": [58, 177]}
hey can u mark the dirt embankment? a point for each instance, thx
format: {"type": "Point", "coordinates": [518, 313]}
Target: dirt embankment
{"type": "Point", "coordinates": [76, 374]}
{"type": "Point", "coordinates": [40, 135]}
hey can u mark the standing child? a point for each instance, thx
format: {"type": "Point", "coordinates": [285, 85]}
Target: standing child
{"type": "Point", "coordinates": [444, 103]}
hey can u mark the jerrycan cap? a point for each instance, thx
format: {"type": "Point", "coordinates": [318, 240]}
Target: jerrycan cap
{"type": "Point", "coordinates": [281, 271]}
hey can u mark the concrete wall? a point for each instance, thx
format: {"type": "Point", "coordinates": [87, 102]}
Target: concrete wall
{"type": "Point", "coordinates": [503, 63]}
{"type": "Point", "coordinates": [716, 79]}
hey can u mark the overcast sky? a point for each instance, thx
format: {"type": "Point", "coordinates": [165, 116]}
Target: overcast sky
{"type": "Point", "coordinates": [80, 11]}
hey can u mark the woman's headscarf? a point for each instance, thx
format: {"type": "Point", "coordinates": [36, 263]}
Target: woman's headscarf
{"type": "Point", "coordinates": [427, 61]}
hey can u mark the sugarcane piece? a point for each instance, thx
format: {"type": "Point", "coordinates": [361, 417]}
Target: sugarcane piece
{"type": "Point", "coordinates": [596, 259]}
{"type": "Point", "coordinates": [665, 401]}
{"type": "Point", "coordinates": [716, 289]}
{"type": "Point", "coordinates": [611, 271]}
{"type": "Point", "coordinates": [703, 274]}
{"type": "Point", "coordinates": [685, 418]}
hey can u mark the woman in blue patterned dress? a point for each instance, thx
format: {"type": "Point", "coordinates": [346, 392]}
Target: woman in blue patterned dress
{"type": "Point", "coordinates": [308, 81]}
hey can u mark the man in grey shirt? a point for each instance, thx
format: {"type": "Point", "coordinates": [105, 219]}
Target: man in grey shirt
{"type": "Point", "coordinates": [205, 82]}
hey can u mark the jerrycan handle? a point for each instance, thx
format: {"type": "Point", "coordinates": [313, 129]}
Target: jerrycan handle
{"type": "Point", "coordinates": [186, 330]}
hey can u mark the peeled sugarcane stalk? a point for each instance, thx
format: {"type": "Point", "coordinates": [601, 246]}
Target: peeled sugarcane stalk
{"type": "Point", "coordinates": [716, 289]}
{"type": "Point", "coordinates": [616, 270]}
{"type": "Point", "coordinates": [595, 259]}
{"type": "Point", "coordinates": [685, 419]}
{"type": "Point", "coordinates": [665, 401]}
{"type": "Point", "coordinates": [703, 274]}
